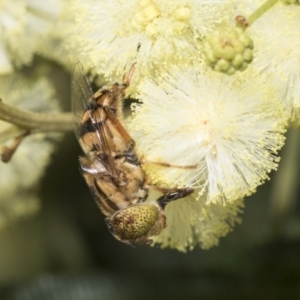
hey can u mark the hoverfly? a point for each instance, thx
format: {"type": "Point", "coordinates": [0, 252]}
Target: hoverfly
{"type": "Point", "coordinates": [111, 167]}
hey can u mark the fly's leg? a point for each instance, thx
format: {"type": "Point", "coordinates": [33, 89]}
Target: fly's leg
{"type": "Point", "coordinates": [167, 165]}
{"type": "Point", "coordinates": [173, 195]}
{"type": "Point", "coordinates": [119, 127]}
{"type": "Point", "coordinates": [169, 194]}
{"type": "Point", "coordinates": [6, 153]}
{"type": "Point", "coordinates": [127, 77]}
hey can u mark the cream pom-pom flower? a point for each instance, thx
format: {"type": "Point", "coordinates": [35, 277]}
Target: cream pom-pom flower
{"type": "Point", "coordinates": [192, 222]}
{"type": "Point", "coordinates": [22, 22]}
{"type": "Point", "coordinates": [59, 42]}
{"type": "Point", "coordinates": [218, 134]}
{"type": "Point", "coordinates": [159, 33]}
{"type": "Point", "coordinates": [277, 54]}
{"type": "Point", "coordinates": [18, 177]}
{"type": "Point", "coordinates": [277, 51]}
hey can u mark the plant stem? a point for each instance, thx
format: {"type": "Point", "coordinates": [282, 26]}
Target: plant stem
{"type": "Point", "coordinates": [260, 11]}
{"type": "Point", "coordinates": [36, 121]}
{"type": "Point", "coordinates": [10, 133]}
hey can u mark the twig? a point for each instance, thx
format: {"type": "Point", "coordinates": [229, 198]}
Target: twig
{"type": "Point", "coordinates": [6, 153]}
{"type": "Point", "coordinates": [36, 121]}
{"type": "Point", "coordinates": [260, 11]}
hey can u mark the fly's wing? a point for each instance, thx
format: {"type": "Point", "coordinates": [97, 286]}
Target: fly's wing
{"type": "Point", "coordinates": [90, 126]}
{"type": "Point", "coordinates": [82, 96]}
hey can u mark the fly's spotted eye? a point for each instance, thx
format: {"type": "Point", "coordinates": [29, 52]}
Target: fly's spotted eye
{"type": "Point", "coordinates": [134, 222]}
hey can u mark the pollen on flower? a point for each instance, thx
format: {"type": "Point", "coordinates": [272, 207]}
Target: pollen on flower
{"type": "Point", "coordinates": [192, 222]}
{"type": "Point", "coordinates": [182, 13]}
{"type": "Point", "coordinates": [164, 32]}
{"type": "Point", "coordinates": [217, 134]}
{"type": "Point", "coordinates": [145, 15]}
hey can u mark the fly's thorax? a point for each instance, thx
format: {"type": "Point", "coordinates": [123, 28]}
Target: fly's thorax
{"type": "Point", "coordinates": [131, 171]}
{"type": "Point", "coordinates": [135, 224]}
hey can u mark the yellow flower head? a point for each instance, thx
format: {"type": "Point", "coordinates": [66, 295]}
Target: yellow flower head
{"type": "Point", "coordinates": [277, 54]}
{"type": "Point", "coordinates": [222, 129]}
{"type": "Point", "coordinates": [59, 42]}
{"type": "Point", "coordinates": [22, 22]}
{"type": "Point", "coordinates": [276, 40]}
{"type": "Point", "coordinates": [156, 33]}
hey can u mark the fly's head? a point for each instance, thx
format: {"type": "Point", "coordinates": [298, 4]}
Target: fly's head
{"type": "Point", "coordinates": [135, 224]}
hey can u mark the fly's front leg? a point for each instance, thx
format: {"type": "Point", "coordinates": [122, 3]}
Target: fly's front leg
{"type": "Point", "coordinates": [127, 77]}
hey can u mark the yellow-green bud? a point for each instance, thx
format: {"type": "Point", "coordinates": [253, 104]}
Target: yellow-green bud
{"type": "Point", "coordinates": [228, 50]}
{"type": "Point", "coordinates": [248, 55]}
{"type": "Point", "coordinates": [224, 65]}
{"type": "Point", "coordinates": [237, 61]}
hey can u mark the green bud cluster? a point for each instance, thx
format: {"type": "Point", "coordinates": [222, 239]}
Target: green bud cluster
{"type": "Point", "coordinates": [228, 50]}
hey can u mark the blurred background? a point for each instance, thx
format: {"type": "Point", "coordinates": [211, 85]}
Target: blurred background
{"type": "Point", "coordinates": [66, 252]}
